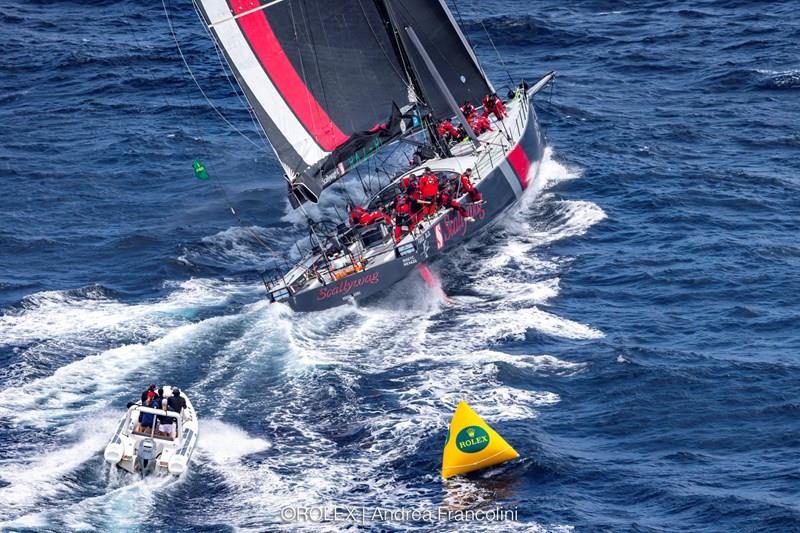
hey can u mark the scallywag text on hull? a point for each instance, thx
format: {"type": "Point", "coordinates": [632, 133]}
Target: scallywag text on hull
{"type": "Point", "coordinates": [455, 225]}
{"type": "Point", "coordinates": [348, 285]}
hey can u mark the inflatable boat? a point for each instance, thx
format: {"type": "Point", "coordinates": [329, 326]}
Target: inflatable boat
{"type": "Point", "coordinates": [154, 441]}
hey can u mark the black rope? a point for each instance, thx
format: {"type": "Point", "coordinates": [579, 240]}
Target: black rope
{"type": "Point", "coordinates": [360, 179]}
{"type": "Point", "coordinates": [394, 150]}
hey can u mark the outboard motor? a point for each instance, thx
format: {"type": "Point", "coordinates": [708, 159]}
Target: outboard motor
{"type": "Point", "coordinates": [147, 452]}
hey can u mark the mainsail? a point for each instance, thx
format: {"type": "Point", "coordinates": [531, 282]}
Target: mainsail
{"type": "Point", "coordinates": [329, 81]}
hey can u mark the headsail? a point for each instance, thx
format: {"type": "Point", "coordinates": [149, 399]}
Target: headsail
{"type": "Point", "coordinates": [315, 72]}
{"type": "Point", "coordinates": [448, 48]}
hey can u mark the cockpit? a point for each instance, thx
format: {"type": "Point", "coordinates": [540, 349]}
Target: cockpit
{"type": "Point", "coordinates": [156, 423]}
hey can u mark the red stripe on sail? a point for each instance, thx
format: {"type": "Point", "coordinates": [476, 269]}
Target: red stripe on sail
{"type": "Point", "coordinates": [294, 91]}
{"type": "Point", "coordinates": [521, 164]}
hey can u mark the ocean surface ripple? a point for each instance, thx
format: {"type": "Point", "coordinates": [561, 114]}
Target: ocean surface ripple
{"type": "Point", "coordinates": [632, 330]}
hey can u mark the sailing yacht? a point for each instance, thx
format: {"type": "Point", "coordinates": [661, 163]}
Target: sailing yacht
{"type": "Point", "coordinates": [333, 84]}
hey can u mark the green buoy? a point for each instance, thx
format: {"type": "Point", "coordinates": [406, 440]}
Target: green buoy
{"type": "Point", "coordinates": [200, 171]}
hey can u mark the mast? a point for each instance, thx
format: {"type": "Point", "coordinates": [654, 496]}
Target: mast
{"type": "Point", "coordinates": [451, 101]}
{"type": "Point", "coordinates": [384, 8]}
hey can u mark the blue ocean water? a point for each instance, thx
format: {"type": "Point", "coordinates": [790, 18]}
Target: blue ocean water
{"type": "Point", "coordinates": [632, 330]}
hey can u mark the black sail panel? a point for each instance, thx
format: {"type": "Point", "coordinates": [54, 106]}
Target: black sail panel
{"type": "Point", "coordinates": [447, 47]}
{"type": "Point", "coordinates": [317, 73]}
{"type": "Point", "coordinates": [343, 54]}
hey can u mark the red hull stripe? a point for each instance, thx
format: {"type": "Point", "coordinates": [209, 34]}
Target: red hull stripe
{"type": "Point", "coordinates": [521, 164]}
{"type": "Point", "coordinates": [268, 49]}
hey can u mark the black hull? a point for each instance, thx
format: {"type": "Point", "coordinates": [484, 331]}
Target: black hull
{"type": "Point", "coordinates": [501, 189]}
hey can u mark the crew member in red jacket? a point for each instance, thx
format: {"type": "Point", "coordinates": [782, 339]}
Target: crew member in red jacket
{"type": "Point", "coordinates": [480, 124]}
{"type": "Point", "coordinates": [448, 132]}
{"type": "Point", "coordinates": [468, 109]}
{"type": "Point", "coordinates": [468, 187]}
{"type": "Point", "coordinates": [429, 191]}
{"type": "Point", "coordinates": [446, 200]}
{"type": "Point", "coordinates": [408, 184]}
{"type": "Point", "coordinates": [404, 221]}
{"type": "Point", "coordinates": [355, 214]}
{"type": "Point", "coordinates": [417, 209]}
{"type": "Point", "coordinates": [493, 105]}
{"type": "Point", "coordinates": [361, 217]}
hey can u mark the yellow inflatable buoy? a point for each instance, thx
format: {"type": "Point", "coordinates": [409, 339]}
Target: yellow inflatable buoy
{"type": "Point", "coordinates": [472, 444]}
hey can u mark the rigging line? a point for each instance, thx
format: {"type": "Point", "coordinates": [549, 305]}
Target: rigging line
{"type": "Point", "coordinates": [310, 222]}
{"type": "Point", "coordinates": [444, 58]}
{"type": "Point", "coordinates": [416, 89]}
{"type": "Point", "coordinates": [346, 193]}
{"type": "Point", "coordinates": [466, 37]}
{"type": "Point", "coordinates": [461, 20]}
{"type": "Point", "coordinates": [242, 100]}
{"type": "Point", "coordinates": [188, 68]}
{"type": "Point", "coordinates": [360, 179]}
{"type": "Point", "coordinates": [219, 57]}
{"type": "Point", "coordinates": [187, 92]}
{"type": "Point", "coordinates": [217, 181]}
{"type": "Point", "coordinates": [491, 41]}
{"type": "Point", "coordinates": [500, 57]}
{"type": "Point", "coordinates": [369, 173]}
{"type": "Point", "coordinates": [338, 214]}
{"type": "Point", "coordinates": [372, 172]}
{"type": "Point", "coordinates": [394, 150]}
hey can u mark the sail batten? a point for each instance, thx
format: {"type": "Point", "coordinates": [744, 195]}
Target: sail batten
{"type": "Point", "coordinates": [245, 13]}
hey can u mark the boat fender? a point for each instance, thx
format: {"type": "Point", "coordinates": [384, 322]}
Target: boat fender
{"type": "Point", "coordinates": [113, 453]}
{"type": "Point", "coordinates": [179, 461]}
{"type": "Point", "coordinates": [114, 450]}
